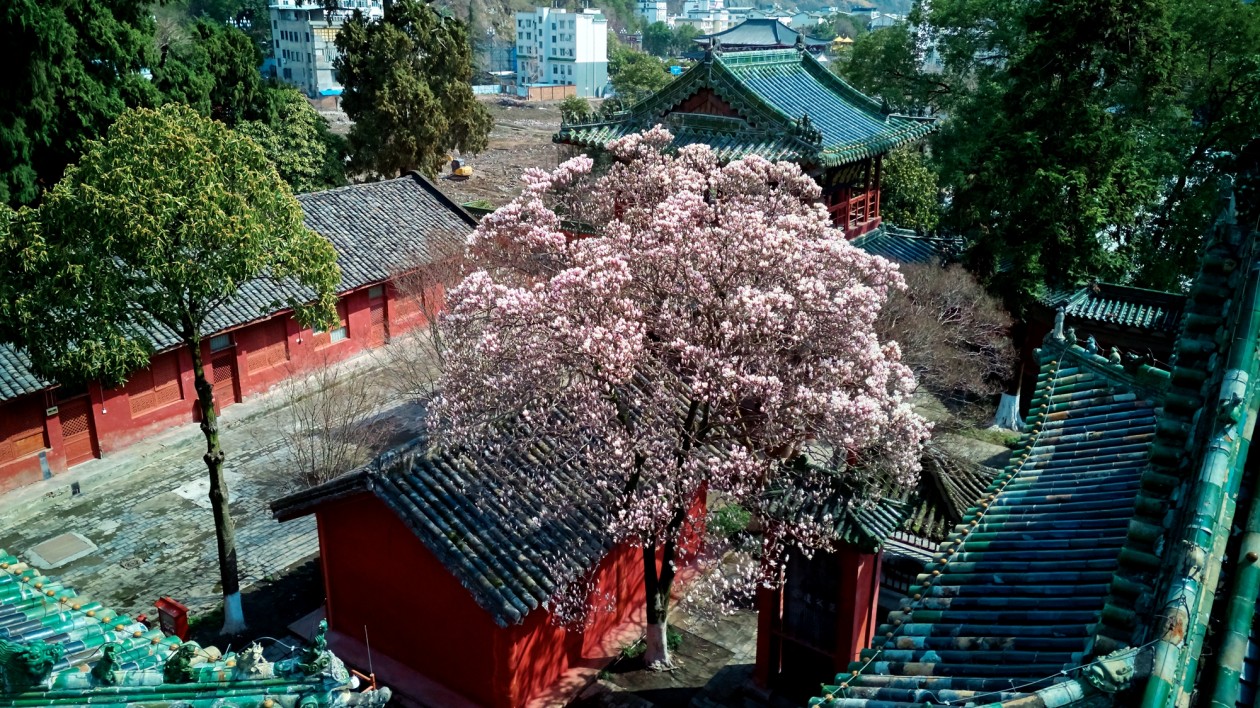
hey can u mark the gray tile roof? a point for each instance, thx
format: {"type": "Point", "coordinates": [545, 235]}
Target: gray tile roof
{"type": "Point", "coordinates": [374, 227]}
{"type": "Point", "coordinates": [378, 226]}
{"type": "Point", "coordinates": [16, 377]}
{"type": "Point", "coordinates": [763, 33]}
{"type": "Point", "coordinates": [507, 563]}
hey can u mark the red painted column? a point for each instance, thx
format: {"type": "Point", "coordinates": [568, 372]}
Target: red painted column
{"type": "Point", "coordinates": [769, 641]}
{"type": "Point", "coordinates": [859, 593]}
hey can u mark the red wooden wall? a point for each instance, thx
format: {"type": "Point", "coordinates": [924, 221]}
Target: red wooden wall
{"type": "Point", "coordinates": [378, 575]}
{"type": "Point", "coordinates": [257, 357]}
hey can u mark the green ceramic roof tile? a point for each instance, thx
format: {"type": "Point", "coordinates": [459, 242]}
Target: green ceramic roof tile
{"type": "Point", "coordinates": [1011, 597]}
{"type": "Point", "coordinates": [905, 246]}
{"type": "Point", "coordinates": [373, 227]}
{"type": "Point", "coordinates": [37, 611]}
{"type": "Point", "coordinates": [1120, 305]}
{"type": "Point", "coordinates": [789, 107]}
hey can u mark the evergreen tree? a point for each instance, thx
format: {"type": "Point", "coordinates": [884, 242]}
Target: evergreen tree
{"type": "Point", "coordinates": [406, 87]}
{"type": "Point", "coordinates": [70, 68]}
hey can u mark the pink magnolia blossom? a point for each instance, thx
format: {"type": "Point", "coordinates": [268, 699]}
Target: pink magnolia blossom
{"type": "Point", "coordinates": [713, 326]}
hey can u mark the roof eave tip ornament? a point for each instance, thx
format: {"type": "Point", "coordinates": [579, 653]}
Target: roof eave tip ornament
{"type": "Point", "coordinates": [1057, 335]}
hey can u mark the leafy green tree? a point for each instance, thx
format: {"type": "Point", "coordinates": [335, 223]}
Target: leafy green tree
{"type": "Point", "coordinates": [1200, 130]}
{"type": "Point", "coordinates": [685, 39]}
{"type": "Point", "coordinates": [1043, 155]}
{"type": "Point", "coordinates": [305, 152]}
{"type": "Point", "coordinates": [251, 16]}
{"type": "Point", "coordinates": [406, 86]}
{"type": "Point", "coordinates": [156, 229]}
{"type": "Point", "coordinates": [658, 39]}
{"type": "Point", "coordinates": [634, 75]}
{"type": "Point", "coordinates": [70, 69]}
{"type": "Point", "coordinates": [215, 70]}
{"type": "Point", "coordinates": [575, 109]}
{"type": "Point", "coordinates": [908, 190]}
{"type": "Point", "coordinates": [887, 63]}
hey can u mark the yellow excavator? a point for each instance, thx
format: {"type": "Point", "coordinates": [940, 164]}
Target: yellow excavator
{"type": "Point", "coordinates": [460, 169]}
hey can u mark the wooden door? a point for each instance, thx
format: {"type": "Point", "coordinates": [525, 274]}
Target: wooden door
{"type": "Point", "coordinates": [77, 434]}
{"type": "Point", "coordinates": [379, 331]}
{"type": "Point", "coordinates": [223, 369]}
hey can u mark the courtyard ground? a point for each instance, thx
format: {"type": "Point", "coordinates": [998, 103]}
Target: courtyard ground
{"type": "Point", "coordinates": [147, 512]}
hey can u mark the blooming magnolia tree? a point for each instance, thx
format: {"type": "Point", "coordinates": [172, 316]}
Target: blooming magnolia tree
{"type": "Point", "coordinates": [712, 327]}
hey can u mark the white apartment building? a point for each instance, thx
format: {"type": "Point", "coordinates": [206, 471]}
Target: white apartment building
{"type": "Point", "coordinates": [707, 16]}
{"type": "Point", "coordinates": [653, 11]}
{"type": "Point", "coordinates": [561, 48]}
{"type": "Point", "coordinates": [302, 41]}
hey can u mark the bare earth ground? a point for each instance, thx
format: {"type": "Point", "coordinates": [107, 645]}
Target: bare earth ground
{"type": "Point", "coordinates": [521, 138]}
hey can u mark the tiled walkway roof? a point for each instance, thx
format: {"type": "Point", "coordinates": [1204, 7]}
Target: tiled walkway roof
{"type": "Point", "coordinates": [1120, 305]}
{"type": "Point", "coordinates": [37, 610]}
{"type": "Point", "coordinates": [374, 227]}
{"type": "Point", "coordinates": [508, 566]}
{"type": "Point", "coordinates": [999, 613]}
{"type": "Point", "coordinates": [789, 107]}
{"type": "Point", "coordinates": [905, 246]}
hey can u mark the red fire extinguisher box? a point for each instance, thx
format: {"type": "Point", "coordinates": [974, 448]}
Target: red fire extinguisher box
{"type": "Point", "coordinates": [173, 617]}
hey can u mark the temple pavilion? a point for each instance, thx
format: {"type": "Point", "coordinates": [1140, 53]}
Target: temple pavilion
{"type": "Point", "coordinates": [781, 104]}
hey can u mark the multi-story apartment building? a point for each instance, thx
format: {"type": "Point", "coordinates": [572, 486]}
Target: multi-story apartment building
{"type": "Point", "coordinates": [561, 48]}
{"type": "Point", "coordinates": [653, 11]}
{"type": "Point", "coordinates": [303, 33]}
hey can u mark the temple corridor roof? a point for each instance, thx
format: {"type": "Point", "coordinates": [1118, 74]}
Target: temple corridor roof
{"type": "Point", "coordinates": [998, 607]}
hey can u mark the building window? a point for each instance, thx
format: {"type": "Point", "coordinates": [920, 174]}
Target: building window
{"type": "Point", "coordinates": [277, 43]}
{"type": "Point", "coordinates": [155, 386]}
{"type": "Point", "coordinates": [219, 342]}
{"type": "Point", "coordinates": [376, 291]}
{"type": "Point", "coordinates": [339, 333]}
{"type": "Point", "coordinates": [553, 39]}
{"type": "Point", "coordinates": [274, 24]}
{"type": "Point", "coordinates": [308, 37]}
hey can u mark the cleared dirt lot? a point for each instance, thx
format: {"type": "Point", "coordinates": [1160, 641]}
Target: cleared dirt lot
{"type": "Point", "coordinates": [521, 138]}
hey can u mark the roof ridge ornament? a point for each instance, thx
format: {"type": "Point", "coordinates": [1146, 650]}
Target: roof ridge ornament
{"type": "Point", "coordinates": [804, 129]}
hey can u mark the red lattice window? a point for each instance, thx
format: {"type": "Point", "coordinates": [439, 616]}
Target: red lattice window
{"type": "Point", "coordinates": [222, 373]}
{"type": "Point", "coordinates": [75, 425]}
{"type": "Point", "coordinates": [267, 357]}
{"type": "Point", "coordinates": [155, 386]}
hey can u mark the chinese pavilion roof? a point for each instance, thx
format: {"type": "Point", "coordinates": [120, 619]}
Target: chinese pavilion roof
{"type": "Point", "coordinates": [1093, 568]}
{"type": "Point", "coordinates": [760, 33]}
{"type": "Point", "coordinates": [59, 648]}
{"type": "Point", "coordinates": [788, 107]}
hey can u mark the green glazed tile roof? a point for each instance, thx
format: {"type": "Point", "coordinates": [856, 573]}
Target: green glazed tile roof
{"type": "Point", "coordinates": [905, 246]}
{"type": "Point", "coordinates": [1120, 305]}
{"type": "Point", "coordinates": [998, 607]}
{"type": "Point", "coordinates": [790, 107]}
{"type": "Point", "coordinates": [36, 610]}
{"type": "Point", "coordinates": [948, 487]}
{"type": "Point", "coordinates": [373, 227]}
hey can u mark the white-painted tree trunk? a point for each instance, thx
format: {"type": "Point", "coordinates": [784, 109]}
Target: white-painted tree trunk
{"type": "Point", "coordinates": [656, 657]}
{"type": "Point", "coordinates": [1008, 412]}
{"type": "Point", "coordinates": [233, 614]}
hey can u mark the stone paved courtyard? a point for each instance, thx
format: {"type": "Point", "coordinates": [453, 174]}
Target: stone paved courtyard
{"type": "Point", "coordinates": [146, 509]}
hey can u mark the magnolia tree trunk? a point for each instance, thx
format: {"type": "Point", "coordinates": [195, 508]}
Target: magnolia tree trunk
{"type": "Point", "coordinates": [224, 529]}
{"type": "Point", "coordinates": [658, 587]}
